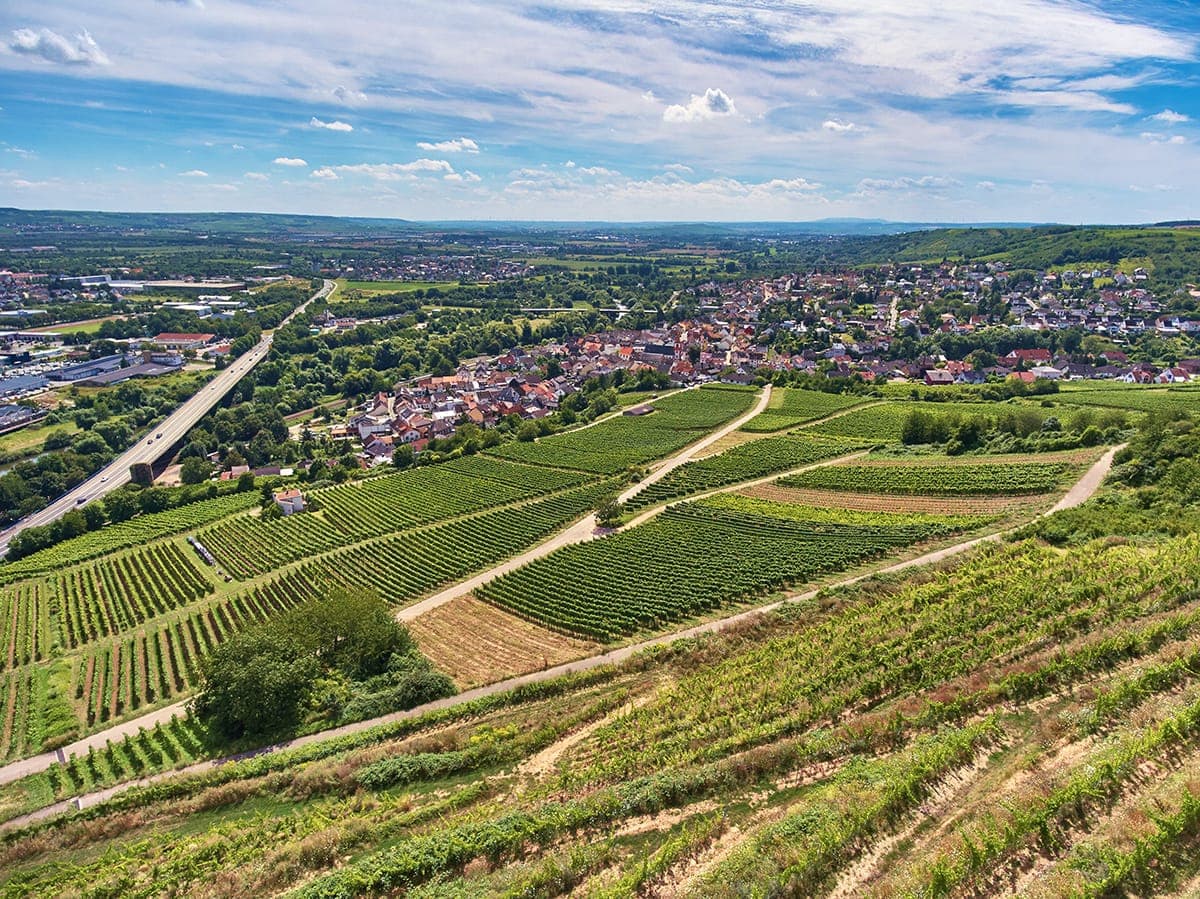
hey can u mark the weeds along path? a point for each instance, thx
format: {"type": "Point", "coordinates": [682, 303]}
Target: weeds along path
{"type": "Point", "coordinates": [1081, 491]}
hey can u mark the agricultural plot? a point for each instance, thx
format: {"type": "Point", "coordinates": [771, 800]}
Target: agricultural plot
{"type": "Point", "coordinates": [1135, 398]}
{"type": "Point", "coordinates": [624, 441]}
{"type": "Point", "coordinates": [695, 558]}
{"type": "Point", "coordinates": [135, 532]}
{"type": "Point", "coordinates": [403, 567]}
{"type": "Point", "coordinates": [25, 631]}
{"type": "Point", "coordinates": [884, 423]}
{"type": "Point", "coordinates": [934, 480]}
{"type": "Point", "coordinates": [150, 663]}
{"type": "Point", "coordinates": [942, 504]}
{"type": "Point", "coordinates": [792, 406]}
{"type": "Point", "coordinates": [250, 546]}
{"type": "Point", "coordinates": [742, 463]}
{"type": "Point", "coordinates": [477, 643]}
{"type": "Point", "coordinates": [118, 593]}
{"type": "Point", "coordinates": [1028, 719]}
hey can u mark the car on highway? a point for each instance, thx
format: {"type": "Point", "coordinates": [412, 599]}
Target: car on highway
{"type": "Point", "coordinates": [158, 436]}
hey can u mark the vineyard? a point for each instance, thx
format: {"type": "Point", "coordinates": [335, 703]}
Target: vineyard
{"type": "Point", "coordinates": [125, 534]}
{"type": "Point", "coordinates": [742, 463]}
{"type": "Point", "coordinates": [696, 558]}
{"type": "Point", "coordinates": [618, 443]}
{"type": "Point", "coordinates": [884, 422]}
{"type": "Point", "coordinates": [1026, 720]}
{"type": "Point", "coordinates": [791, 406]}
{"type": "Point", "coordinates": [934, 480]}
{"type": "Point", "coordinates": [141, 629]}
{"type": "Point", "coordinates": [248, 546]}
{"type": "Point", "coordinates": [1137, 399]}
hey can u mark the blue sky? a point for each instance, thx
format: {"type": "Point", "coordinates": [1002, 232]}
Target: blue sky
{"type": "Point", "coordinates": [955, 110]}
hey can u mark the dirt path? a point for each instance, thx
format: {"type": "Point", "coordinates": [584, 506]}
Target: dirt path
{"type": "Point", "coordinates": [1083, 489]}
{"type": "Point", "coordinates": [682, 458]}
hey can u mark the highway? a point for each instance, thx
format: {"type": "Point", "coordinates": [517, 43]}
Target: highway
{"type": "Point", "coordinates": [160, 439]}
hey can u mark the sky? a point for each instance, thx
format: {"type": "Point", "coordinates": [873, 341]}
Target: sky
{"type": "Point", "coordinates": [620, 110]}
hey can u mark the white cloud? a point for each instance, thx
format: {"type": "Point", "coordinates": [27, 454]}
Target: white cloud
{"type": "Point", "coordinates": [348, 96]}
{"type": "Point", "coordinates": [227, 188]}
{"type": "Point", "coordinates": [194, 173]}
{"type": "Point", "coordinates": [926, 182]}
{"type": "Point", "coordinates": [395, 171]}
{"type": "Point", "coordinates": [194, 4]}
{"type": "Point", "coordinates": [237, 147]}
{"type": "Point", "coordinates": [325, 173]}
{"type": "Point", "coordinates": [598, 171]}
{"type": "Point", "coordinates": [22, 152]}
{"type": "Point", "coordinates": [291, 161]}
{"type": "Point", "coordinates": [838, 127]}
{"type": "Point", "coordinates": [1158, 137]}
{"type": "Point", "coordinates": [256, 176]}
{"type": "Point", "coordinates": [713, 104]}
{"type": "Point", "coordinates": [986, 185]}
{"type": "Point", "coordinates": [1170, 117]}
{"type": "Point", "coordinates": [53, 47]}
{"type": "Point", "coordinates": [457, 145]}
{"type": "Point", "coordinates": [314, 122]}
{"type": "Point", "coordinates": [678, 167]}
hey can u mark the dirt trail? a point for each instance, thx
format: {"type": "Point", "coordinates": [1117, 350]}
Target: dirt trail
{"type": "Point", "coordinates": [1083, 489]}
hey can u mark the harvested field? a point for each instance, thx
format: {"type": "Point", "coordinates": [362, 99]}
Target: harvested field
{"type": "Point", "coordinates": [476, 643]}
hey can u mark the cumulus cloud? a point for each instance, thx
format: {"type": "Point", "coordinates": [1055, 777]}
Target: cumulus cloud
{"type": "Point", "coordinates": [457, 145]}
{"type": "Point", "coordinates": [291, 161]}
{"type": "Point", "coordinates": [348, 96]}
{"type": "Point", "coordinates": [314, 122]}
{"type": "Point", "coordinates": [838, 127]}
{"type": "Point", "coordinates": [713, 104]}
{"type": "Point", "coordinates": [325, 173]}
{"type": "Point", "coordinates": [194, 173]}
{"type": "Point", "coordinates": [256, 176]}
{"type": "Point", "coordinates": [82, 50]}
{"type": "Point", "coordinates": [463, 177]}
{"type": "Point", "coordinates": [1170, 117]}
{"type": "Point", "coordinates": [395, 171]}
{"type": "Point", "coordinates": [237, 147]}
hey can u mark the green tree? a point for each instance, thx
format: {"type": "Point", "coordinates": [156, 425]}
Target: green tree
{"type": "Point", "coordinates": [256, 684]}
{"type": "Point", "coordinates": [194, 470]}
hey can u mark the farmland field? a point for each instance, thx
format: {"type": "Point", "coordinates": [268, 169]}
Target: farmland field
{"type": "Point", "coordinates": [123, 535]}
{"type": "Point", "coordinates": [883, 423]}
{"type": "Point", "coordinates": [797, 752]}
{"type": "Point", "coordinates": [477, 643]}
{"type": "Point", "coordinates": [924, 480]}
{"type": "Point", "coordinates": [791, 406]}
{"type": "Point", "coordinates": [1135, 398]}
{"type": "Point", "coordinates": [742, 463]}
{"type": "Point", "coordinates": [625, 441]}
{"type": "Point", "coordinates": [697, 557]}
{"type": "Point", "coordinates": [250, 546]}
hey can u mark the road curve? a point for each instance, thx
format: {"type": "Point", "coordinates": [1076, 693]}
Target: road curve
{"type": "Point", "coordinates": [148, 449]}
{"type": "Point", "coordinates": [1082, 490]}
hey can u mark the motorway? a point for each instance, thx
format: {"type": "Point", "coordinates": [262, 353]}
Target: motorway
{"type": "Point", "coordinates": [161, 438]}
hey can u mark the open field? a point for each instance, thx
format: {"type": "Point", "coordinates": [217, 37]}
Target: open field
{"type": "Point", "coordinates": [477, 643]}
{"type": "Point", "coordinates": [346, 288]}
